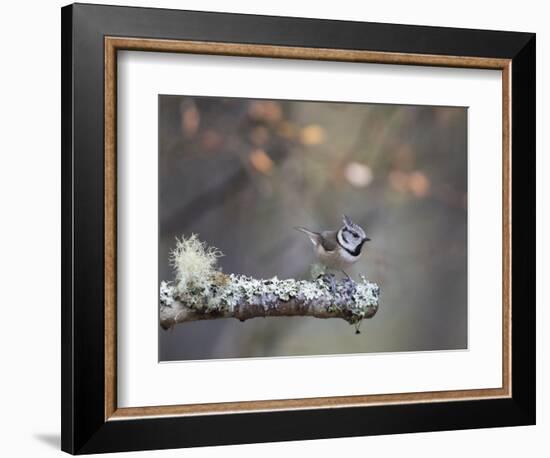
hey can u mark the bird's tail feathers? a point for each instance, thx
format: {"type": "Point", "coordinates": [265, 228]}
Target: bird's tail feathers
{"type": "Point", "coordinates": [315, 237]}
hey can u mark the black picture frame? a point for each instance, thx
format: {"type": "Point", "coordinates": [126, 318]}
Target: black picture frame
{"type": "Point", "coordinates": [84, 427]}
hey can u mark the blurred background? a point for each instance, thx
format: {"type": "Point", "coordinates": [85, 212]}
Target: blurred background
{"type": "Point", "coordinates": [242, 173]}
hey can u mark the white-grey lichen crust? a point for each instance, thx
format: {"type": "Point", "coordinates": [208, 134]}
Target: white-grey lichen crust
{"type": "Point", "coordinates": [201, 291]}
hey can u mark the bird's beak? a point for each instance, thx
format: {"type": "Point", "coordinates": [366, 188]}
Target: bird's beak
{"type": "Point", "coordinates": [366, 239]}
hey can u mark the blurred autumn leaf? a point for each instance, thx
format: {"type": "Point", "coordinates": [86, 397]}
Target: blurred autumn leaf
{"type": "Point", "coordinates": [261, 161]}
{"type": "Point", "coordinates": [266, 110]}
{"type": "Point", "coordinates": [312, 135]}
{"type": "Point", "coordinates": [190, 120]}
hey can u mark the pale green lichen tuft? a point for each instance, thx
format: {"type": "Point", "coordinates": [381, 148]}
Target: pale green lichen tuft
{"type": "Point", "coordinates": [317, 270]}
{"type": "Point", "coordinates": [195, 264]}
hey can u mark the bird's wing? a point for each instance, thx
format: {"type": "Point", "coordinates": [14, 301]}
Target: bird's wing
{"type": "Point", "coordinates": [329, 240]}
{"type": "Point", "coordinates": [315, 237]}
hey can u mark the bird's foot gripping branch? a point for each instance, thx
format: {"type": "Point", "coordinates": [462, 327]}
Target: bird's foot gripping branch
{"type": "Point", "coordinates": [201, 291]}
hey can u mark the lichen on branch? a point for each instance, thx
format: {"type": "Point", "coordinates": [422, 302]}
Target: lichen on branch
{"type": "Point", "coordinates": [201, 291]}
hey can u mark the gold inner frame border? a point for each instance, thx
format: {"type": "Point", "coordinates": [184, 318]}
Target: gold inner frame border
{"type": "Point", "coordinates": [114, 44]}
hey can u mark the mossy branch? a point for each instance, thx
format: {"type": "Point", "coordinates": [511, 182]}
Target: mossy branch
{"type": "Point", "coordinates": [200, 292]}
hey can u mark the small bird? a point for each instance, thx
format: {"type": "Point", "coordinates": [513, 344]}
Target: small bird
{"type": "Point", "coordinates": [339, 249]}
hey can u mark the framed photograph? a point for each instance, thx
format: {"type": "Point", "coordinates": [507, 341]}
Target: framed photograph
{"type": "Point", "coordinates": [281, 228]}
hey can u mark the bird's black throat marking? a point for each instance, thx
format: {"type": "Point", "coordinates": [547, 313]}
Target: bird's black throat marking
{"type": "Point", "coordinates": [357, 250]}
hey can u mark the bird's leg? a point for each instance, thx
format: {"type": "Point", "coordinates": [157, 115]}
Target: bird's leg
{"type": "Point", "coordinates": [345, 273]}
{"type": "Point", "coordinates": [330, 278]}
